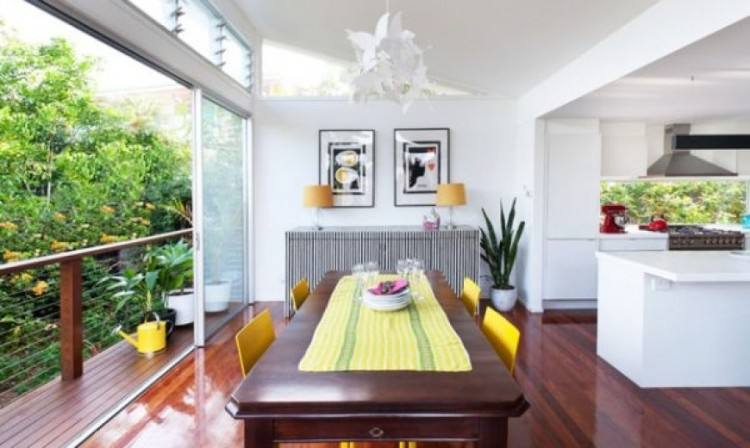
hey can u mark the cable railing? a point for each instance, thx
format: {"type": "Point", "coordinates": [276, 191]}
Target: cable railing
{"type": "Point", "coordinates": [56, 312]}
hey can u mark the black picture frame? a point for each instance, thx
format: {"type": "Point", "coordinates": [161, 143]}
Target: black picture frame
{"type": "Point", "coordinates": [443, 159]}
{"type": "Point", "coordinates": [365, 197]}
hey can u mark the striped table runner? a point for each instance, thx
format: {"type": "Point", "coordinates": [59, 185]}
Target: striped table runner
{"type": "Point", "coordinates": [351, 336]}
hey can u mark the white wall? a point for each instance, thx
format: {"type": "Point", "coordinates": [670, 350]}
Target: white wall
{"type": "Point", "coordinates": [286, 158]}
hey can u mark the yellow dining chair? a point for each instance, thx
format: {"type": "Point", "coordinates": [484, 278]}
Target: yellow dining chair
{"type": "Point", "coordinates": [299, 293]}
{"type": "Point", "coordinates": [503, 336]}
{"type": "Point", "coordinates": [254, 339]}
{"type": "Point", "coordinates": [470, 296]}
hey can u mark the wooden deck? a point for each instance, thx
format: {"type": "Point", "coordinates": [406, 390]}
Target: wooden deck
{"type": "Point", "coordinates": [577, 399]}
{"type": "Point", "coordinates": [54, 414]}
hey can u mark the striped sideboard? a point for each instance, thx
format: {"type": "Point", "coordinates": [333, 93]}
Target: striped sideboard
{"type": "Point", "coordinates": [311, 253]}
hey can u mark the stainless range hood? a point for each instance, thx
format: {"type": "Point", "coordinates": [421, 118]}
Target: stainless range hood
{"type": "Point", "coordinates": [677, 160]}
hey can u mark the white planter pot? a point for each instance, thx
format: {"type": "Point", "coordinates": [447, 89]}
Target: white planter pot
{"type": "Point", "coordinates": [184, 304]}
{"type": "Point", "coordinates": [504, 299]}
{"type": "Point", "coordinates": [217, 296]}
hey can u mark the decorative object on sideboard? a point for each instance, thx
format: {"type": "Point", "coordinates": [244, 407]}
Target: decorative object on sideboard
{"type": "Point", "coordinates": [317, 197]}
{"type": "Point", "coordinates": [390, 65]}
{"type": "Point", "coordinates": [346, 163]}
{"type": "Point", "coordinates": [422, 162]}
{"type": "Point", "coordinates": [431, 221]}
{"type": "Point", "coordinates": [451, 195]}
{"type": "Point", "coordinates": [500, 256]}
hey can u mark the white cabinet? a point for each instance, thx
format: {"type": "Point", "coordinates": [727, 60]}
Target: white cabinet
{"type": "Point", "coordinates": [570, 270]}
{"type": "Point", "coordinates": [633, 245]}
{"type": "Point", "coordinates": [573, 165]}
{"type": "Point", "coordinates": [624, 149]}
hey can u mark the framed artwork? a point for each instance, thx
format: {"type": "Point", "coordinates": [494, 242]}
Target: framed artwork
{"type": "Point", "coordinates": [422, 161]}
{"type": "Point", "coordinates": [346, 162]}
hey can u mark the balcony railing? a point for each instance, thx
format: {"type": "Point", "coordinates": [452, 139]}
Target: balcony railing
{"type": "Point", "coordinates": [77, 274]}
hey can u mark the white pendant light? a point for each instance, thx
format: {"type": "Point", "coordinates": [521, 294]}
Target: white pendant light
{"type": "Point", "coordinates": [390, 64]}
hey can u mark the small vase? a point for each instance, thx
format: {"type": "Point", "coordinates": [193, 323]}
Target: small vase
{"type": "Point", "coordinates": [504, 299]}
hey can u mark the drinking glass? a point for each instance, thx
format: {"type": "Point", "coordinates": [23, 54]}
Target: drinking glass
{"type": "Point", "coordinates": [417, 269]}
{"type": "Point", "coordinates": [360, 275]}
{"type": "Point", "coordinates": [373, 270]}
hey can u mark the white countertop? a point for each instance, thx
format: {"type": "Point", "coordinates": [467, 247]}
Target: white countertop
{"type": "Point", "coordinates": [633, 233]}
{"type": "Point", "coordinates": [687, 266]}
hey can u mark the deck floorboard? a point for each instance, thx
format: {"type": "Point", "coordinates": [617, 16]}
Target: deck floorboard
{"type": "Point", "coordinates": [56, 412]}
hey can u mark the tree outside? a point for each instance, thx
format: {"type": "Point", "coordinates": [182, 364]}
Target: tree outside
{"type": "Point", "coordinates": [76, 170]}
{"type": "Point", "coordinates": [683, 202]}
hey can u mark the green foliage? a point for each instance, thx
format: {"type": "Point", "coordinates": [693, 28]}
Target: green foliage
{"type": "Point", "coordinates": [686, 202]}
{"type": "Point", "coordinates": [175, 263]}
{"type": "Point", "coordinates": [146, 285]}
{"type": "Point", "coordinates": [500, 253]}
{"type": "Point", "coordinates": [74, 172]}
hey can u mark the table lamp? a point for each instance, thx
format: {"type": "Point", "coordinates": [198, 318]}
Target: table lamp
{"type": "Point", "coordinates": [317, 197]}
{"type": "Point", "coordinates": [450, 195]}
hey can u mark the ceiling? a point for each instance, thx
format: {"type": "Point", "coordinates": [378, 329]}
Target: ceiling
{"type": "Point", "coordinates": [708, 79]}
{"type": "Point", "coordinates": [497, 47]}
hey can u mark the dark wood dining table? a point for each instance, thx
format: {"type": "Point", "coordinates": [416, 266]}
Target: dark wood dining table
{"type": "Point", "coordinates": [279, 403]}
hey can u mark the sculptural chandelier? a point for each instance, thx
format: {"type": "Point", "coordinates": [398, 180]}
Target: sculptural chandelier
{"type": "Point", "coordinates": [390, 65]}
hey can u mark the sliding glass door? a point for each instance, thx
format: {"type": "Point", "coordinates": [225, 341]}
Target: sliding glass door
{"type": "Point", "coordinates": [221, 210]}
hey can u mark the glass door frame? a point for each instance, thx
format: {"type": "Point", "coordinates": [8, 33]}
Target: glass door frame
{"type": "Point", "coordinates": [199, 327]}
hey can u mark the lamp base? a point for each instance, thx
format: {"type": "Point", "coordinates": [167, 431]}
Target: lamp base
{"type": "Point", "coordinates": [316, 219]}
{"type": "Point", "coordinates": [450, 225]}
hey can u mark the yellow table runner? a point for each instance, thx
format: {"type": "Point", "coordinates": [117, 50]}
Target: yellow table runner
{"type": "Point", "coordinates": [351, 336]}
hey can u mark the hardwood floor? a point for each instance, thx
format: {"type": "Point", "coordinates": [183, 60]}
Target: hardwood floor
{"type": "Point", "coordinates": [576, 399]}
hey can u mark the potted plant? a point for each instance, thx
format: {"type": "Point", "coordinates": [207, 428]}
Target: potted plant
{"type": "Point", "coordinates": [175, 263]}
{"type": "Point", "coordinates": [500, 256]}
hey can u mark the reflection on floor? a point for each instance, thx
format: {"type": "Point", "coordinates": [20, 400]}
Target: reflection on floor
{"type": "Point", "coordinates": [216, 320]}
{"type": "Point", "coordinates": [576, 399]}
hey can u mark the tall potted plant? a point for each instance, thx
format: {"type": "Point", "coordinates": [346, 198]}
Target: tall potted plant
{"type": "Point", "coordinates": [500, 256]}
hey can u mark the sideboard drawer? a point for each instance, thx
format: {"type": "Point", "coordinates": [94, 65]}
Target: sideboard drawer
{"type": "Point", "coordinates": [362, 429]}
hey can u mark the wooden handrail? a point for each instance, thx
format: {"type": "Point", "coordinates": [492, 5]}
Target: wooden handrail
{"type": "Point", "coordinates": [34, 263]}
{"type": "Point", "coordinates": [71, 306]}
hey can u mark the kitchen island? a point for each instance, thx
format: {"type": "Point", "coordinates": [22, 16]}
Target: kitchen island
{"type": "Point", "coordinates": [675, 318]}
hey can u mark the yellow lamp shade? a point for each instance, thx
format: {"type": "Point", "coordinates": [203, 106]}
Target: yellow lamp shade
{"type": "Point", "coordinates": [319, 196]}
{"type": "Point", "coordinates": [451, 194]}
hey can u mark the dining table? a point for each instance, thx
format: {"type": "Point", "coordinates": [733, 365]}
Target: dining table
{"type": "Point", "coordinates": [278, 402]}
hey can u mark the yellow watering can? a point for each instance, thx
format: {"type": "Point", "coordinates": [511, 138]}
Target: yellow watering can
{"type": "Point", "coordinates": [151, 337]}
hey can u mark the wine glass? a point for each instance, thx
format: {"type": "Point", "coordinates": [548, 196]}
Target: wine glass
{"type": "Point", "coordinates": [402, 268]}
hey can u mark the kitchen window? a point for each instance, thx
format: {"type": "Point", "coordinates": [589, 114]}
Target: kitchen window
{"type": "Point", "coordinates": [684, 202]}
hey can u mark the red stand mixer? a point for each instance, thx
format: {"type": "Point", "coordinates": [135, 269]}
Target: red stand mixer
{"type": "Point", "coordinates": [615, 216]}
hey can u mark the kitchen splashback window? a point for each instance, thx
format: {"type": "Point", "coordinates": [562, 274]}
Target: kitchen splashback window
{"type": "Point", "coordinates": [684, 202]}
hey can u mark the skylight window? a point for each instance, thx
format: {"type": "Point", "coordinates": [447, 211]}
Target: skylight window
{"type": "Point", "coordinates": [291, 72]}
{"type": "Point", "coordinates": [202, 28]}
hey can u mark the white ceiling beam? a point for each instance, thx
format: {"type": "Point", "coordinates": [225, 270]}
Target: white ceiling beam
{"type": "Point", "coordinates": [659, 31]}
